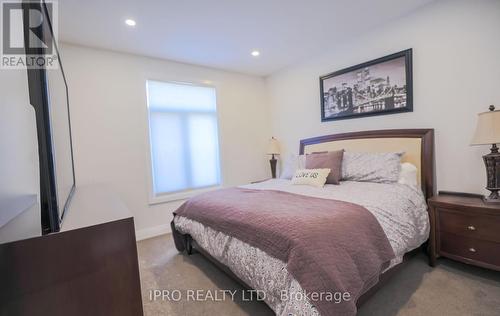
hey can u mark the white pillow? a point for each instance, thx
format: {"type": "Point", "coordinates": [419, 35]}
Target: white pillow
{"type": "Point", "coordinates": [408, 174]}
{"type": "Point", "coordinates": [314, 177]}
{"type": "Point", "coordinates": [292, 164]}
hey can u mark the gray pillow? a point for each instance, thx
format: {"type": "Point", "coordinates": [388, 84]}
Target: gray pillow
{"type": "Point", "coordinates": [371, 167]}
{"type": "Point", "coordinates": [291, 164]}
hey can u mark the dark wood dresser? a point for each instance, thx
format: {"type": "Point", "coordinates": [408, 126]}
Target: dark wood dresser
{"type": "Point", "coordinates": [466, 229]}
{"type": "Point", "coordinates": [90, 267]}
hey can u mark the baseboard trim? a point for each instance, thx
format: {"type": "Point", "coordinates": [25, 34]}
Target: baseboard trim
{"type": "Point", "coordinates": [151, 232]}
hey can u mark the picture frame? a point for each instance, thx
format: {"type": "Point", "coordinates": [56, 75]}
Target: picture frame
{"type": "Point", "coordinates": [377, 87]}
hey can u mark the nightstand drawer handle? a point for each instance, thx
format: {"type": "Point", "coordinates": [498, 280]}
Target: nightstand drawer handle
{"type": "Point", "coordinates": [472, 250]}
{"type": "Point", "coordinates": [471, 227]}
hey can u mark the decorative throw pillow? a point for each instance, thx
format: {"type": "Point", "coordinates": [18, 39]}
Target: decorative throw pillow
{"type": "Point", "coordinates": [371, 167]}
{"type": "Point", "coordinates": [408, 174]}
{"type": "Point", "coordinates": [331, 160]}
{"type": "Point", "coordinates": [292, 164]}
{"type": "Point", "coordinates": [314, 177]}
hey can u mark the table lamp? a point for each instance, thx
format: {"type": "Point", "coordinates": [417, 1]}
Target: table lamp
{"type": "Point", "coordinates": [273, 149]}
{"type": "Point", "coordinates": [488, 133]}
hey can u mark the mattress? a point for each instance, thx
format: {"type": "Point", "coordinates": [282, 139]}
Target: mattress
{"type": "Point", "coordinates": [400, 209]}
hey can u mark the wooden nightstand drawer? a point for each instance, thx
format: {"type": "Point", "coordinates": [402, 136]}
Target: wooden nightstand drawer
{"type": "Point", "coordinates": [478, 227]}
{"type": "Point", "coordinates": [464, 228]}
{"type": "Point", "coordinates": [470, 248]}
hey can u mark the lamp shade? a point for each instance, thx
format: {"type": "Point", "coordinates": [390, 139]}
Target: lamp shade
{"type": "Point", "coordinates": [488, 128]}
{"type": "Point", "coordinates": [274, 147]}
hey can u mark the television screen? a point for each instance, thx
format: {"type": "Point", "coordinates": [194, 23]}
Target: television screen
{"type": "Point", "coordinates": [61, 137]}
{"type": "Point", "coordinates": [49, 96]}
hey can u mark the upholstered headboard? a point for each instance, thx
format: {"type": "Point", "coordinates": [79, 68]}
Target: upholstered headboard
{"type": "Point", "coordinates": [418, 145]}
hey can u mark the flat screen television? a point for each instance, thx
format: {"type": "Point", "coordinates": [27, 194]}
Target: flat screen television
{"type": "Point", "coordinates": [48, 91]}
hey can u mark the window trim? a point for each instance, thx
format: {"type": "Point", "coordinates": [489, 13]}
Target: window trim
{"type": "Point", "coordinates": [153, 198]}
{"type": "Point", "coordinates": [180, 195]}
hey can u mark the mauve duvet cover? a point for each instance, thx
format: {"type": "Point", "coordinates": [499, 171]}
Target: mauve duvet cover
{"type": "Point", "coordinates": [329, 246]}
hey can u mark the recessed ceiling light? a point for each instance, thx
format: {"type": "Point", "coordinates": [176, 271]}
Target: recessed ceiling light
{"type": "Point", "coordinates": [130, 22]}
{"type": "Point", "coordinates": [255, 53]}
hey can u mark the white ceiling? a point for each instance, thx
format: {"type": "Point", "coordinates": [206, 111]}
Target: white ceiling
{"type": "Point", "coordinates": [222, 33]}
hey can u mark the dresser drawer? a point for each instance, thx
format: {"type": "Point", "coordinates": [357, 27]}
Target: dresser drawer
{"type": "Point", "coordinates": [484, 227]}
{"type": "Point", "coordinates": [470, 248]}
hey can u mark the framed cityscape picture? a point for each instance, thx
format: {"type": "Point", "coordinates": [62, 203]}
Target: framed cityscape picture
{"type": "Point", "coordinates": [381, 86]}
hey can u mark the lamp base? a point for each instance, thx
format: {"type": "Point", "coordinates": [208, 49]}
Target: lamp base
{"type": "Point", "coordinates": [493, 198]}
{"type": "Point", "coordinates": [273, 167]}
{"type": "Point", "coordinates": [492, 164]}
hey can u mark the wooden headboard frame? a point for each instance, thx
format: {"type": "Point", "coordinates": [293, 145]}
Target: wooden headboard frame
{"type": "Point", "coordinates": [427, 148]}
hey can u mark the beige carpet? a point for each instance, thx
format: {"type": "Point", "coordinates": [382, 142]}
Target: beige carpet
{"type": "Point", "coordinates": [449, 289]}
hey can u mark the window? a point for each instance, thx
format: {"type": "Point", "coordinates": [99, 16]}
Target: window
{"type": "Point", "coordinates": [183, 137]}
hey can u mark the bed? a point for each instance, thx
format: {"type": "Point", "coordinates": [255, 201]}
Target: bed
{"type": "Point", "coordinates": [285, 284]}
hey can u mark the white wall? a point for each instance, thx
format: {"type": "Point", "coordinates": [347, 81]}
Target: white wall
{"type": "Point", "coordinates": [107, 93]}
{"type": "Point", "coordinates": [456, 74]}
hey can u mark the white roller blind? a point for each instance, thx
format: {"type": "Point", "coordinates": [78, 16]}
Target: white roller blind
{"type": "Point", "coordinates": [183, 136]}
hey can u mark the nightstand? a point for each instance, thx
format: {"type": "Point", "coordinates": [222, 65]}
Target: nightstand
{"type": "Point", "coordinates": [259, 181]}
{"type": "Point", "coordinates": [466, 229]}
